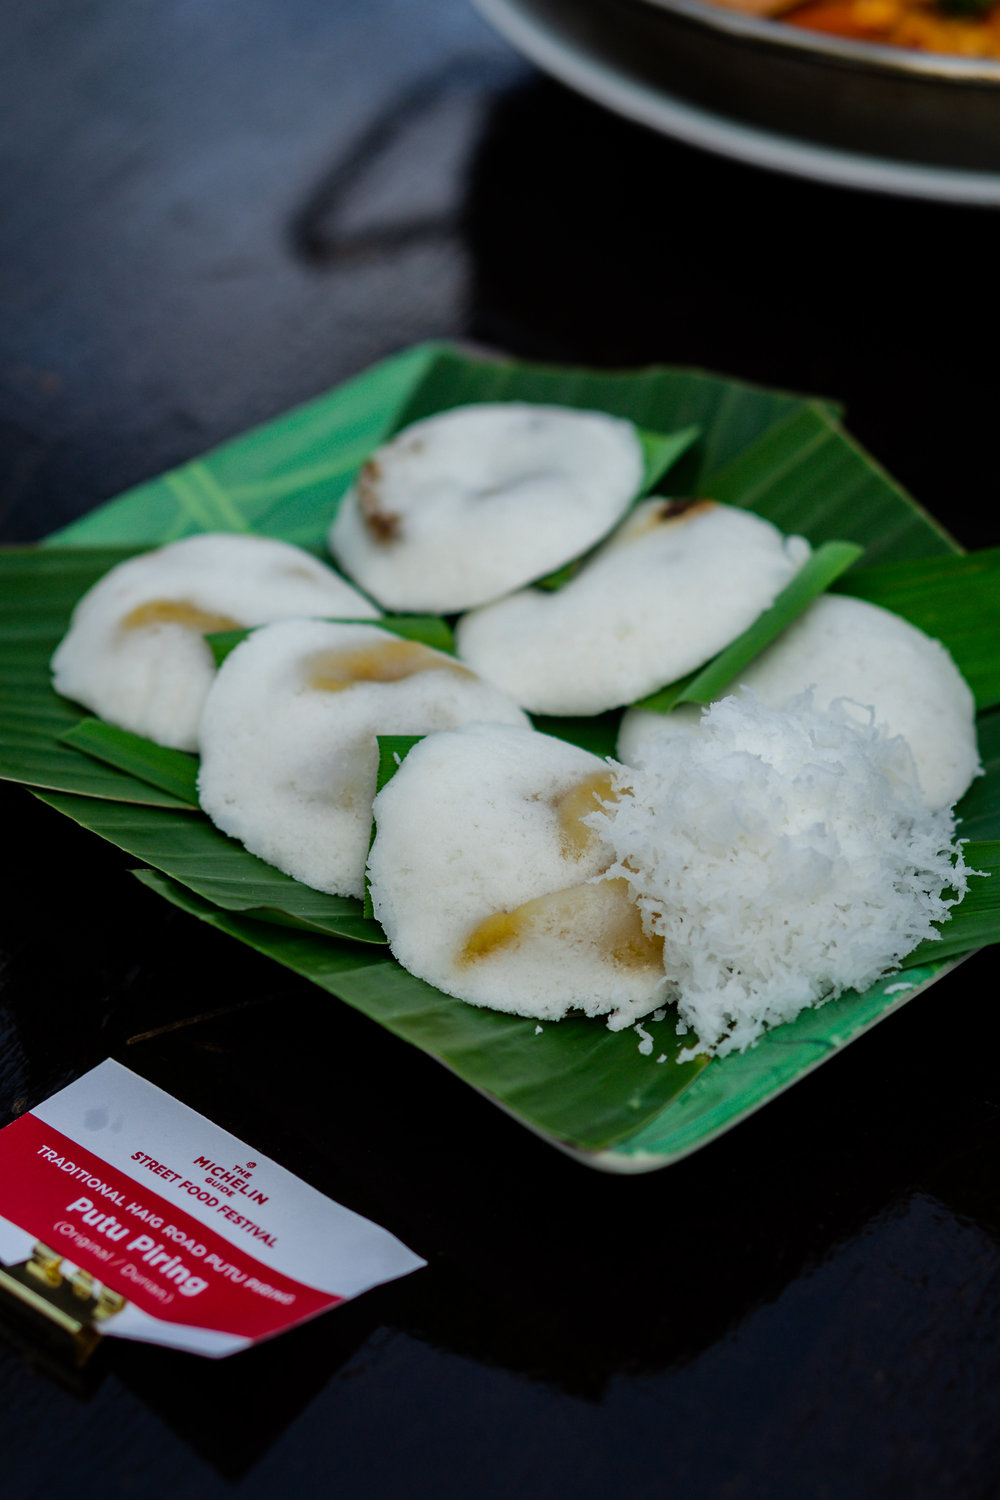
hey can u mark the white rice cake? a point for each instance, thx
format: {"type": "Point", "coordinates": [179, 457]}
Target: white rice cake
{"type": "Point", "coordinates": [489, 883]}
{"type": "Point", "coordinates": [135, 653]}
{"type": "Point", "coordinates": [674, 585]}
{"type": "Point", "coordinates": [466, 505]}
{"type": "Point", "coordinates": [289, 758]}
{"type": "Point", "coordinates": [846, 648]}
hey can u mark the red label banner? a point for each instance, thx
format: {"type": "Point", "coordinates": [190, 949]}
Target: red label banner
{"type": "Point", "coordinates": [135, 1242]}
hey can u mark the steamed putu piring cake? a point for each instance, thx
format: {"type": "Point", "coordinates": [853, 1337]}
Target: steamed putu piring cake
{"type": "Point", "coordinates": [289, 757]}
{"type": "Point", "coordinates": [135, 653]}
{"type": "Point", "coordinates": [888, 669]}
{"type": "Point", "coordinates": [490, 884]}
{"type": "Point", "coordinates": [675, 584]}
{"type": "Point", "coordinates": [465, 506]}
{"type": "Point", "coordinates": [766, 863]}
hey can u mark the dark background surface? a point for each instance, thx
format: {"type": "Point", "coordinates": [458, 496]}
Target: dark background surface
{"type": "Point", "coordinates": [210, 213]}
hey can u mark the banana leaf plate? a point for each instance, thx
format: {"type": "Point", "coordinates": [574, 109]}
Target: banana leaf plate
{"type": "Point", "coordinates": [610, 1099]}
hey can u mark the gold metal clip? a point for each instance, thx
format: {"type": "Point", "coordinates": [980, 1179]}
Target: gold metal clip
{"type": "Point", "coordinates": [70, 1301]}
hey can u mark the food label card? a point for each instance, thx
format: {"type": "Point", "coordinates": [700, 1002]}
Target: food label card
{"type": "Point", "coordinates": [158, 1225]}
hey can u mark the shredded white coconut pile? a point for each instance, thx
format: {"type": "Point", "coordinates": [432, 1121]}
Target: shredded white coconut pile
{"type": "Point", "coordinates": [784, 856]}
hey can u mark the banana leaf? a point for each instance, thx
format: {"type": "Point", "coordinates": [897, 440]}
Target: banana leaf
{"type": "Point", "coordinates": [281, 480]}
{"type": "Point", "coordinates": [732, 1088]}
{"type": "Point", "coordinates": [807, 475]}
{"type": "Point", "coordinates": [392, 751]}
{"type": "Point", "coordinates": [598, 734]}
{"type": "Point", "coordinates": [595, 1093]}
{"type": "Point", "coordinates": [38, 590]}
{"type": "Point", "coordinates": [173, 771]}
{"type": "Point", "coordinates": [579, 1084]}
{"type": "Point", "coordinates": [585, 1089]}
{"type": "Point", "coordinates": [979, 809]}
{"type": "Point", "coordinates": [661, 450]}
{"type": "Point", "coordinates": [731, 415]}
{"type": "Point", "coordinates": [194, 852]}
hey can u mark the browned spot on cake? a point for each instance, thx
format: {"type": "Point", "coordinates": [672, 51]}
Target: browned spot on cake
{"type": "Point", "coordinates": [573, 805]}
{"type": "Point", "coordinates": [600, 918]}
{"type": "Point", "coordinates": [674, 510]}
{"type": "Point", "coordinates": [178, 612]}
{"type": "Point", "coordinates": [388, 661]}
{"type": "Point", "coordinates": [383, 526]}
{"type": "Point", "coordinates": [666, 513]}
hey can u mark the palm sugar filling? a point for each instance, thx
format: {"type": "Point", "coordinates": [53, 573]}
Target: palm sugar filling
{"type": "Point", "coordinates": [333, 671]}
{"type": "Point", "coordinates": [599, 917]}
{"type": "Point", "coordinates": [178, 612]}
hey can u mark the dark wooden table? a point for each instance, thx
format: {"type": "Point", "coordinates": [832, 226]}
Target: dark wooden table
{"type": "Point", "coordinates": [212, 212]}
